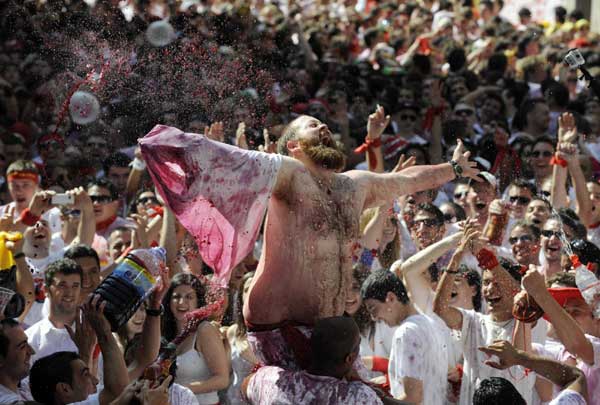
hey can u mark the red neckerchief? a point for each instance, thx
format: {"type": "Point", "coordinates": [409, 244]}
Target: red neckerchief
{"type": "Point", "coordinates": [594, 226]}
{"type": "Point", "coordinates": [103, 225]}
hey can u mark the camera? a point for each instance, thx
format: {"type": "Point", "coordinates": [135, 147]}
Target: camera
{"type": "Point", "coordinates": [574, 58]}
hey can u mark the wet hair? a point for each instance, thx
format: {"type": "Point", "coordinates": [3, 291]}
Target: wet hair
{"type": "Point", "coordinates": [7, 323]}
{"type": "Point", "coordinates": [459, 212]}
{"type": "Point", "coordinates": [543, 139]}
{"type": "Point", "coordinates": [361, 317]}
{"type": "Point", "coordinates": [568, 217]}
{"type": "Point", "coordinates": [432, 209]}
{"type": "Point", "coordinates": [133, 204]}
{"type": "Point", "coordinates": [169, 325]}
{"type": "Point", "coordinates": [379, 283]}
{"type": "Point", "coordinates": [62, 266]}
{"type": "Point", "coordinates": [563, 278]}
{"type": "Point", "coordinates": [332, 340]}
{"type": "Point", "coordinates": [49, 371]}
{"type": "Point", "coordinates": [532, 229]}
{"type": "Point", "coordinates": [107, 184]}
{"type": "Point", "coordinates": [587, 252]}
{"type": "Point", "coordinates": [523, 183]}
{"type": "Point", "coordinates": [81, 251]}
{"type": "Point", "coordinates": [512, 268]}
{"type": "Point", "coordinates": [497, 391]}
{"type": "Point", "coordinates": [474, 280]}
{"type": "Point", "coordinates": [117, 159]}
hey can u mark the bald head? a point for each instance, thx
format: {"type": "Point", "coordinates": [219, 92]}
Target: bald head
{"type": "Point", "coordinates": [333, 339]}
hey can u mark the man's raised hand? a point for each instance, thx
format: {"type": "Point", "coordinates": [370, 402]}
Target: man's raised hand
{"type": "Point", "coordinates": [507, 355]}
{"type": "Point", "coordinates": [460, 156]}
{"type": "Point", "coordinates": [404, 163]}
{"type": "Point", "coordinates": [378, 122]}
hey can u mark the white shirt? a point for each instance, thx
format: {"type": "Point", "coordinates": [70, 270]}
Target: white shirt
{"type": "Point", "coordinates": [180, 395]}
{"type": "Point", "coordinates": [419, 351]}
{"type": "Point", "coordinates": [45, 339]}
{"type": "Point", "coordinates": [8, 396]}
{"type": "Point", "coordinates": [479, 330]}
{"type": "Point", "coordinates": [93, 399]}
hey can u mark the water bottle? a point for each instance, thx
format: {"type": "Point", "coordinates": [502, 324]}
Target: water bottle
{"type": "Point", "coordinates": [588, 284]}
{"type": "Point", "coordinates": [130, 283]}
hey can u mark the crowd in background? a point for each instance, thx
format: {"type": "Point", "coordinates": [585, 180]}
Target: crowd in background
{"type": "Point", "coordinates": [238, 72]}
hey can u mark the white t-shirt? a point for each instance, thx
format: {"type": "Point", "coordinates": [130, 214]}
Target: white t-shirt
{"type": "Point", "coordinates": [180, 395]}
{"type": "Point", "coordinates": [8, 397]}
{"type": "Point", "coordinates": [93, 399]}
{"type": "Point", "coordinates": [568, 397]}
{"type": "Point", "coordinates": [45, 339]}
{"type": "Point", "coordinates": [420, 351]}
{"type": "Point", "coordinates": [479, 330]}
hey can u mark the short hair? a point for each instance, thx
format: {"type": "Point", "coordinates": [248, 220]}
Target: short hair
{"type": "Point", "coordinates": [117, 159]}
{"type": "Point", "coordinates": [49, 371]}
{"type": "Point", "coordinates": [523, 183]}
{"type": "Point", "coordinates": [26, 166]}
{"type": "Point", "coordinates": [289, 133]}
{"type": "Point", "coordinates": [333, 339]}
{"type": "Point", "coordinates": [520, 118]}
{"type": "Point", "coordinates": [379, 283]}
{"type": "Point", "coordinates": [512, 268]}
{"type": "Point", "coordinates": [4, 340]}
{"type": "Point", "coordinates": [563, 278]}
{"type": "Point", "coordinates": [497, 391]}
{"type": "Point", "coordinates": [586, 251]}
{"type": "Point", "coordinates": [431, 209]}
{"type": "Point", "coordinates": [81, 251]}
{"type": "Point", "coordinates": [61, 266]}
{"type": "Point", "coordinates": [104, 183]}
{"type": "Point", "coordinates": [532, 229]}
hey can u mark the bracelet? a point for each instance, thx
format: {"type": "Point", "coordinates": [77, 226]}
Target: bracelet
{"type": "Point", "coordinates": [29, 218]}
{"type": "Point", "coordinates": [487, 259]}
{"type": "Point", "coordinates": [557, 160]}
{"type": "Point", "coordinates": [155, 312]}
{"type": "Point", "coordinates": [18, 255]}
{"type": "Point", "coordinates": [458, 171]}
{"type": "Point", "coordinates": [138, 164]}
{"type": "Point", "coordinates": [368, 147]}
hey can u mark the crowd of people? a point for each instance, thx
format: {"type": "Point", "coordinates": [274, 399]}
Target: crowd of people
{"type": "Point", "coordinates": [429, 172]}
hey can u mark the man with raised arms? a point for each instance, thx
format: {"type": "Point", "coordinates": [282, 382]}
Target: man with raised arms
{"type": "Point", "coordinates": [312, 223]}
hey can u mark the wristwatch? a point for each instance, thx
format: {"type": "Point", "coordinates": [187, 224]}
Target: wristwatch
{"type": "Point", "coordinates": [458, 171]}
{"type": "Point", "coordinates": [155, 312]}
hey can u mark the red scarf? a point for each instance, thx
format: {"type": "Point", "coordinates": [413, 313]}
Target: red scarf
{"type": "Point", "coordinates": [103, 225]}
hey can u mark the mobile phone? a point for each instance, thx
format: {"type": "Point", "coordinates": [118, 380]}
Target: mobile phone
{"type": "Point", "coordinates": [63, 199]}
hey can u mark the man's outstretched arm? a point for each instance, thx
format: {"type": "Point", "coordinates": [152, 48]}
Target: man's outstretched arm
{"type": "Point", "coordinates": [381, 188]}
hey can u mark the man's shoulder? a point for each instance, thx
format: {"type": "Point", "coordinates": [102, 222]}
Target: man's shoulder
{"type": "Point", "coordinates": [37, 328]}
{"type": "Point", "coordinates": [93, 399]}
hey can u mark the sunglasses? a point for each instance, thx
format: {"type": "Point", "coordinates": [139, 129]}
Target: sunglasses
{"type": "Point", "coordinates": [537, 154]}
{"type": "Point", "coordinates": [449, 218]}
{"type": "Point", "coordinates": [519, 200]}
{"type": "Point", "coordinates": [407, 117]}
{"type": "Point", "coordinates": [147, 200]}
{"type": "Point", "coordinates": [549, 234]}
{"type": "Point", "coordinates": [545, 193]}
{"type": "Point", "coordinates": [429, 222]}
{"type": "Point", "coordinates": [101, 199]}
{"type": "Point", "coordinates": [523, 238]}
{"type": "Point", "coordinates": [73, 213]}
{"type": "Point", "coordinates": [466, 113]}
{"type": "Point", "coordinates": [458, 196]}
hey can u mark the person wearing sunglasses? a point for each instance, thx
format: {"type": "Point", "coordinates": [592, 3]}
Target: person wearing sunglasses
{"type": "Point", "coordinates": [481, 196]}
{"type": "Point", "coordinates": [520, 193]}
{"type": "Point", "coordinates": [105, 199]}
{"type": "Point", "coordinates": [524, 240]}
{"type": "Point", "coordinates": [428, 225]}
{"type": "Point", "coordinates": [541, 153]}
{"type": "Point", "coordinates": [404, 125]}
{"type": "Point", "coordinates": [552, 246]}
{"type": "Point", "coordinates": [461, 191]}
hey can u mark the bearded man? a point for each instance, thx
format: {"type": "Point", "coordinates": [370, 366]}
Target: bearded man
{"type": "Point", "coordinates": [304, 271]}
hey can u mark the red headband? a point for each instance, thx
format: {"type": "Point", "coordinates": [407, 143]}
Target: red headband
{"type": "Point", "coordinates": [562, 295]}
{"type": "Point", "coordinates": [23, 176]}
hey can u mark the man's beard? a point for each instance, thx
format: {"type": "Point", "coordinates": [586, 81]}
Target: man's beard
{"type": "Point", "coordinates": [328, 157]}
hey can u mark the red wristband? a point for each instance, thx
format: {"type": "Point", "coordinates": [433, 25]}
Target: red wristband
{"type": "Point", "coordinates": [367, 146]}
{"type": "Point", "coordinates": [487, 259]}
{"type": "Point", "coordinates": [556, 160]}
{"type": "Point", "coordinates": [380, 364]}
{"type": "Point", "coordinates": [28, 218]}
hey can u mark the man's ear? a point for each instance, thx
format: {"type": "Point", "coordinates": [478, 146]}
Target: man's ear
{"type": "Point", "coordinates": [292, 146]}
{"type": "Point", "coordinates": [390, 297]}
{"type": "Point", "coordinates": [62, 390]}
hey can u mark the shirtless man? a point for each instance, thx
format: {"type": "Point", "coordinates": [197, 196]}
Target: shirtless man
{"type": "Point", "coordinates": [305, 268]}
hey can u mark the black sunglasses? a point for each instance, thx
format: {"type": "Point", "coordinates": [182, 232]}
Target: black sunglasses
{"type": "Point", "coordinates": [147, 199]}
{"type": "Point", "coordinates": [467, 113]}
{"type": "Point", "coordinates": [458, 196]}
{"type": "Point", "coordinates": [519, 200]}
{"type": "Point", "coordinates": [101, 199]}
{"type": "Point", "coordinates": [549, 234]}
{"type": "Point", "coordinates": [545, 193]}
{"type": "Point", "coordinates": [537, 154]}
{"type": "Point", "coordinates": [523, 238]}
{"type": "Point", "coordinates": [406, 117]}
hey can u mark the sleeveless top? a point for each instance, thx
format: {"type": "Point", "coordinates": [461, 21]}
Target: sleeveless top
{"type": "Point", "coordinates": [241, 369]}
{"type": "Point", "coordinates": [191, 367]}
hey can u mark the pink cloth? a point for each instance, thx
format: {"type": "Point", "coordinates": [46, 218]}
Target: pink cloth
{"type": "Point", "coordinates": [218, 192]}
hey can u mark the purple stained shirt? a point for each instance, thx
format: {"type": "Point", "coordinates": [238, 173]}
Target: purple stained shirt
{"type": "Point", "coordinates": [274, 385]}
{"type": "Point", "coordinates": [218, 192]}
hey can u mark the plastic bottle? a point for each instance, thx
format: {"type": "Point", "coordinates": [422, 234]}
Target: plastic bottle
{"type": "Point", "coordinates": [588, 284]}
{"type": "Point", "coordinates": [130, 283]}
{"type": "Point", "coordinates": [495, 229]}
